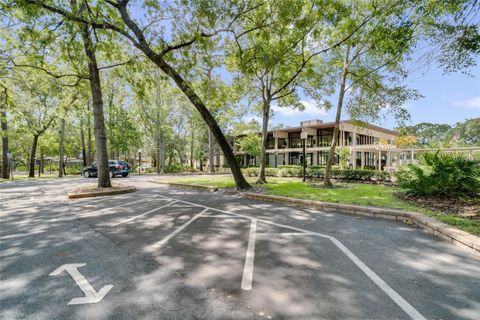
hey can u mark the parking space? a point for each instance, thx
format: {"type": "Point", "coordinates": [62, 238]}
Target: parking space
{"type": "Point", "coordinates": [166, 253]}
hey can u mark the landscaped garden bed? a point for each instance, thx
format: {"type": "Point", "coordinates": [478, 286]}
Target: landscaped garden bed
{"type": "Point", "coordinates": [365, 194]}
{"type": "Point", "coordinates": [466, 208]}
{"type": "Point", "coordinates": [93, 191]}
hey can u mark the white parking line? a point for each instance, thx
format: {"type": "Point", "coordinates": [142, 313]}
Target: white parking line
{"type": "Point", "coordinates": [143, 214]}
{"type": "Point", "coordinates": [229, 216]}
{"type": "Point", "coordinates": [248, 268]}
{"type": "Point", "coordinates": [270, 234]}
{"type": "Point", "coordinates": [392, 294]}
{"type": "Point", "coordinates": [117, 206]}
{"type": "Point", "coordinates": [183, 226]}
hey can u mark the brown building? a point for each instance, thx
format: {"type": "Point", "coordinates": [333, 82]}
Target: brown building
{"type": "Point", "coordinates": [369, 145]}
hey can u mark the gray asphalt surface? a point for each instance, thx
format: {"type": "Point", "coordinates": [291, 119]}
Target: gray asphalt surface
{"type": "Point", "coordinates": [174, 253]}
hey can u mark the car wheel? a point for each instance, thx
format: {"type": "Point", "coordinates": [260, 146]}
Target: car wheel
{"type": "Point", "coordinates": [86, 174]}
{"type": "Point", "coordinates": [110, 173]}
{"type": "Point", "coordinates": [125, 175]}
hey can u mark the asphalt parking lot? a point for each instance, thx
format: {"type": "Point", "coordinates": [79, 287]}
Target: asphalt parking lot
{"type": "Point", "coordinates": [171, 253]}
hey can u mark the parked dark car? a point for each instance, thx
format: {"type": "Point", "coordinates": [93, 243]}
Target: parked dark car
{"type": "Point", "coordinates": [116, 168]}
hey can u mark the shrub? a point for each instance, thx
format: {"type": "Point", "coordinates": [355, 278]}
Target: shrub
{"type": "Point", "coordinates": [290, 171]}
{"type": "Point", "coordinates": [318, 172]}
{"type": "Point", "coordinates": [251, 171]}
{"type": "Point", "coordinates": [73, 170]}
{"type": "Point", "coordinates": [441, 174]}
{"type": "Point", "coordinates": [149, 169]}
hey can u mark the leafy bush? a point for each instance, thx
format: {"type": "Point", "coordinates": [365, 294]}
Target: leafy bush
{"type": "Point", "coordinates": [319, 172]}
{"type": "Point", "coordinates": [73, 170]}
{"type": "Point", "coordinates": [441, 174]}
{"type": "Point", "coordinates": [253, 171]}
{"type": "Point", "coordinates": [148, 170]}
{"type": "Point", "coordinates": [176, 168]}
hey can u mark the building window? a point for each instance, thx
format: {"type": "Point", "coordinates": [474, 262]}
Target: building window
{"type": "Point", "coordinates": [280, 159]}
{"type": "Point", "coordinates": [270, 142]}
{"type": "Point", "coordinates": [311, 142]}
{"type": "Point", "coordinates": [271, 160]}
{"type": "Point", "coordinates": [348, 139]}
{"type": "Point", "coordinates": [309, 159]}
{"type": "Point", "coordinates": [294, 140]}
{"type": "Point", "coordinates": [322, 157]}
{"type": "Point", "coordinates": [240, 160]}
{"type": "Point", "coordinates": [325, 137]}
{"type": "Point", "coordinates": [294, 158]}
{"type": "Point", "coordinates": [282, 143]}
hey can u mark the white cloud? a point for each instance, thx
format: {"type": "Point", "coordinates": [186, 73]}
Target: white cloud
{"type": "Point", "coordinates": [311, 109]}
{"type": "Point", "coordinates": [473, 103]}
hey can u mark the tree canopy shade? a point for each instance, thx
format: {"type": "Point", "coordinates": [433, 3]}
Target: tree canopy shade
{"type": "Point", "coordinates": [278, 62]}
{"type": "Point", "coordinates": [278, 52]}
{"type": "Point", "coordinates": [190, 23]}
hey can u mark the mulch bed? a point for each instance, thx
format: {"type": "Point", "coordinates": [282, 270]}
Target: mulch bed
{"type": "Point", "coordinates": [93, 188]}
{"type": "Point", "coordinates": [93, 191]}
{"type": "Point", "coordinates": [467, 208]}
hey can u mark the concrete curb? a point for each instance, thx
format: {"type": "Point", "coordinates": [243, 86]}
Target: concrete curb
{"type": "Point", "coordinates": [192, 186]}
{"type": "Point", "coordinates": [76, 195]}
{"type": "Point", "coordinates": [453, 235]}
{"type": "Point", "coordinates": [465, 240]}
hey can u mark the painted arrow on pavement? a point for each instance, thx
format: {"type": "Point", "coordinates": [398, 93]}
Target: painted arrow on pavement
{"type": "Point", "coordinates": [91, 296]}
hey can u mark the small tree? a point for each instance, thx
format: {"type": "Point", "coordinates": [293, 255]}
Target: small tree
{"type": "Point", "coordinates": [343, 154]}
{"type": "Point", "coordinates": [251, 144]}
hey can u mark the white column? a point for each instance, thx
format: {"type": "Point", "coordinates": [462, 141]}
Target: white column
{"type": "Point", "coordinates": [353, 158]}
{"type": "Point", "coordinates": [362, 160]}
{"type": "Point", "coordinates": [379, 160]}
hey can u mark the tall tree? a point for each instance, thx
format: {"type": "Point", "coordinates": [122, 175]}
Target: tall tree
{"type": "Point", "coordinates": [64, 113]}
{"type": "Point", "coordinates": [196, 23]}
{"type": "Point", "coordinates": [369, 67]}
{"type": "Point", "coordinates": [3, 121]}
{"type": "Point", "coordinates": [97, 97]}
{"type": "Point", "coordinates": [281, 61]}
{"type": "Point", "coordinates": [35, 104]}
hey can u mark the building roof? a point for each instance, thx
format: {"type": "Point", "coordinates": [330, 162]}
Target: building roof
{"type": "Point", "coordinates": [331, 125]}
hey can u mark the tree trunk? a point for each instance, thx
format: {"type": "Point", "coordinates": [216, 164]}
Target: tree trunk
{"type": "Point", "coordinates": [240, 181]}
{"type": "Point", "coordinates": [42, 163]}
{"type": "Point", "coordinates": [191, 147]}
{"type": "Point", "coordinates": [331, 153]}
{"type": "Point", "coordinates": [64, 166]}
{"type": "Point", "coordinates": [162, 146]}
{"type": "Point", "coordinates": [84, 153]}
{"type": "Point", "coordinates": [180, 156]}
{"type": "Point", "coordinates": [170, 159]}
{"type": "Point", "coordinates": [89, 137]}
{"type": "Point", "coordinates": [263, 154]}
{"type": "Point", "coordinates": [3, 115]}
{"type": "Point", "coordinates": [211, 153]}
{"type": "Point", "coordinates": [157, 123]}
{"type": "Point", "coordinates": [62, 140]}
{"type": "Point", "coordinates": [97, 103]}
{"type": "Point", "coordinates": [33, 151]}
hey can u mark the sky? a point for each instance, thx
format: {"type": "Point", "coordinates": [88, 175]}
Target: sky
{"type": "Point", "coordinates": [447, 99]}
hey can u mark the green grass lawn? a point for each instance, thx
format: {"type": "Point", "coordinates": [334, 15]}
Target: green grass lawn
{"type": "Point", "coordinates": [348, 193]}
